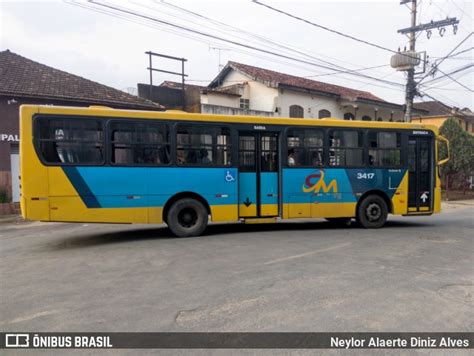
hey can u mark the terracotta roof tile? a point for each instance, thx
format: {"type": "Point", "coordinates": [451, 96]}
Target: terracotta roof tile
{"type": "Point", "coordinates": [21, 76]}
{"type": "Point", "coordinates": [434, 108]}
{"type": "Point", "coordinates": [276, 78]}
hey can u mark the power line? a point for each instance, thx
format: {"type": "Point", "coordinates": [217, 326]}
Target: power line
{"type": "Point", "coordinates": [444, 58]}
{"type": "Point", "coordinates": [219, 38]}
{"type": "Point", "coordinates": [445, 13]}
{"type": "Point", "coordinates": [324, 27]}
{"type": "Point", "coordinates": [348, 71]}
{"type": "Point", "coordinates": [463, 68]}
{"type": "Point", "coordinates": [435, 99]}
{"type": "Point", "coordinates": [458, 53]}
{"type": "Point", "coordinates": [266, 40]}
{"type": "Point", "coordinates": [254, 55]}
{"type": "Point", "coordinates": [462, 10]}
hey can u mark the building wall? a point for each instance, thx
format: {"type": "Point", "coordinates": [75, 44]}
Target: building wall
{"type": "Point", "coordinates": [262, 97]}
{"type": "Point", "coordinates": [438, 121]}
{"type": "Point", "coordinates": [218, 99]}
{"type": "Point", "coordinates": [311, 104]}
{"type": "Point", "coordinates": [172, 98]}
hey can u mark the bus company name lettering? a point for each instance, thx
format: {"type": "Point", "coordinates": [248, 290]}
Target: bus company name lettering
{"type": "Point", "coordinates": [259, 127]}
{"type": "Point", "coordinates": [315, 183]}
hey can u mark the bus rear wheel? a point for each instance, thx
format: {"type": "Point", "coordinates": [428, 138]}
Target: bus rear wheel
{"type": "Point", "coordinates": [372, 212]}
{"type": "Point", "coordinates": [187, 217]}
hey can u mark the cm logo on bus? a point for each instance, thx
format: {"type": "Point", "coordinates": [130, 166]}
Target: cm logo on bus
{"type": "Point", "coordinates": [315, 183]}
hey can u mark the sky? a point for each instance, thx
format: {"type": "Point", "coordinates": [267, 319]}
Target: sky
{"type": "Point", "coordinates": [110, 49]}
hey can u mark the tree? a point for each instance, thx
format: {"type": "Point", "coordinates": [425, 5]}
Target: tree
{"type": "Point", "coordinates": [461, 163]}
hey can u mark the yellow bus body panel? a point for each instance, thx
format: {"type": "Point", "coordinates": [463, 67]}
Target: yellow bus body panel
{"type": "Point", "coordinates": [48, 195]}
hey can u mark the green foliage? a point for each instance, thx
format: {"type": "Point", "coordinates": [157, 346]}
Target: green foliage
{"type": "Point", "coordinates": [461, 145]}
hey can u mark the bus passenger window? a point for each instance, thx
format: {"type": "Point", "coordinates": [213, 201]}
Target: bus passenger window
{"type": "Point", "coordinates": [269, 153]}
{"type": "Point", "coordinates": [346, 148]}
{"type": "Point", "coordinates": [70, 141]}
{"type": "Point", "coordinates": [203, 146]}
{"type": "Point", "coordinates": [305, 147]}
{"type": "Point", "coordinates": [138, 143]}
{"type": "Point", "coordinates": [384, 149]}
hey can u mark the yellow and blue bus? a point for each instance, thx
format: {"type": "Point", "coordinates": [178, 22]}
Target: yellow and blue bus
{"type": "Point", "coordinates": [105, 165]}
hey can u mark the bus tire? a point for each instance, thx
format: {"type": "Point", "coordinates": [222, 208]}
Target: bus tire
{"type": "Point", "coordinates": [187, 217]}
{"type": "Point", "coordinates": [339, 221]}
{"type": "Point", "coordinates": [372, 212]}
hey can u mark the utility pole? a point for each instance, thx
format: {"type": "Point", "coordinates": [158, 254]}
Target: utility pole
{"type": "Point", "coordinates": [408, 60]}
{"type": "Point", "coordinates": [411, 85]}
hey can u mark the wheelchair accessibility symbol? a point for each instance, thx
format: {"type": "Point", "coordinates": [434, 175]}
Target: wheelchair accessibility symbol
{"type": "Point", "coordinates": [229, 177]}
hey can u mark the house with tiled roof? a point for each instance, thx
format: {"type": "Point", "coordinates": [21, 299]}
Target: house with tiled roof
{"type": "Point", "coordinates": [24, 81]}
{"type": "Point", "coordinates": [242, 88]}
{"type": "Point", "coordinates": [436, 113]}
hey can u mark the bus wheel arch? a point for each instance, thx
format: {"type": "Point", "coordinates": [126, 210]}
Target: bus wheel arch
{"type": "Point", "coordinates": [190, 198]}
{"type": "Point", "coordinates": [380, 203]}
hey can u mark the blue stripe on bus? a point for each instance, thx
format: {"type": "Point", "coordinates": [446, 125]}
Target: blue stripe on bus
{"type": "Point", "coordinates": [269, 188]}
{"type": "Point", "coordinates": [81, 187]}
{"type": "Point", "coordinates": [332, 185]}
{"type": "Point", "coordinates": [248, 187]}
{"type": "Point", "coordinates": [120, 187]}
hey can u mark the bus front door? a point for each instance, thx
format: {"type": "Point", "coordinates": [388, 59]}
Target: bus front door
{"type": "Point", "coordinates": [258, 174]}
{"type": "Point", "coordinates": [420, 184]}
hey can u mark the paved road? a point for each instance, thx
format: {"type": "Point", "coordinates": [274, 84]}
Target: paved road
{"type": "Point", "coordinates": [416, 274]}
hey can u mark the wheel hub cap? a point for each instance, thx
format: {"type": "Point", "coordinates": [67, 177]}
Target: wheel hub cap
{"type": "Point", "coordinates": [187, 217]}
{"type": "Point", "coordinates": [373, 211]}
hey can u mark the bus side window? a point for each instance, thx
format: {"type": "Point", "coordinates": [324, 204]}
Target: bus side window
{"type": "Point", "coordinates": [70, 141]}
{"type": "Point", "coordinates": [203, 145]}
{"type": "Point", "coordinates": [139, 143]}
{"type": "Point", "coordinates": [305, 147]}
{"type": "Point", "coordinates": [346, 148]}
{"type": "Point", "coordinates": [384, 149]}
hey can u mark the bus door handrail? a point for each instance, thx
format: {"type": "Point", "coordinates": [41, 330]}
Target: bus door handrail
{"type": "Point", "coordinates": [444, 139]}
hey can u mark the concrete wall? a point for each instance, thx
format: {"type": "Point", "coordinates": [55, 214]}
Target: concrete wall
{"type": "Point", "coordinates": [171, 98]}
{"type": "Point", "coordinates": [262, 97]}
{"type": "Point", "coordinates": [218, 99]}
{"type": "Point", "coordinates": [438, 121]}
{"type": "Point", "coordinates": [311, 104]}
{"type": "Point", "coordinates": [268, 99]}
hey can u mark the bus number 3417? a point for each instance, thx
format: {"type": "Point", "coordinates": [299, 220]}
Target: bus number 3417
{"type": "Point", "coordinates": [365, 175]}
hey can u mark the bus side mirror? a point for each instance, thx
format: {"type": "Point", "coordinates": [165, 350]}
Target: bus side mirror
{"type": "Point", "coordinates": [443, 140]}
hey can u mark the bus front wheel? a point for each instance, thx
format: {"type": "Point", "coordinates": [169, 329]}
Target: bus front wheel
{"type": "Point", "coordinates": [372, 212]}
{"type": "Point", "coordinates": [187, 217]}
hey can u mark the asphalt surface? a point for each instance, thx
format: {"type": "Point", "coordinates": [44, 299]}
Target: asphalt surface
{"type": "Point", "coordinates": [416, 274]}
